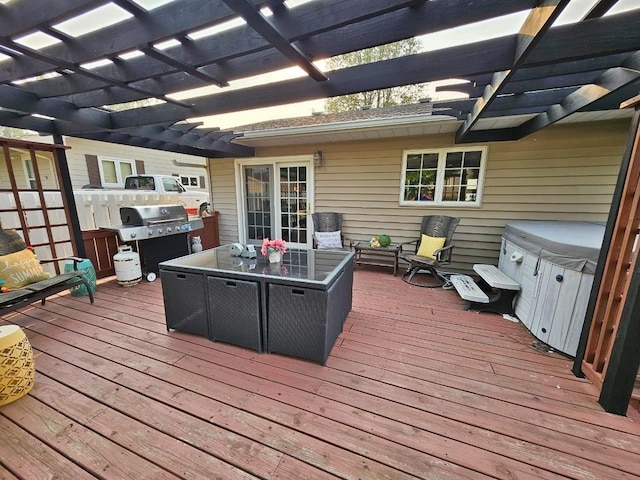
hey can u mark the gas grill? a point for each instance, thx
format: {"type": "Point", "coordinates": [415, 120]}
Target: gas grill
{"type": "Point", "coordinates": [160, 232]}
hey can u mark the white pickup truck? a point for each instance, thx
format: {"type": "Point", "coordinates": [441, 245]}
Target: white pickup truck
{"type": "Point", "coordinates": [195, 202]}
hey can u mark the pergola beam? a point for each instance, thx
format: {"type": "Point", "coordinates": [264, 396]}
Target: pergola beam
{"type": "Point", "coordinates": [466, 60]}
{"type": "Point", "coordinates": [321, 34]}
{"type": "Point", "coordinates": [271, 34]}
{"type": "Point", "coordinates": [194, 72]}
{"type": "Point", "coordinates": [537, 23]}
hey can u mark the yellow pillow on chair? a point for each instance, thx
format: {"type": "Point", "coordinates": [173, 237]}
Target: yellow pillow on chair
{"type": "Point", "coordinates": [428, 245]}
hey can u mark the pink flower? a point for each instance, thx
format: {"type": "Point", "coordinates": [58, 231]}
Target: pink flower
{"type": "Point", "coordinates": [273, 245]}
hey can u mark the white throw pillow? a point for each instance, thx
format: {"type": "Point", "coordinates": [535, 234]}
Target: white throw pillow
{"type": "Point", "coordinates": [327, 240]}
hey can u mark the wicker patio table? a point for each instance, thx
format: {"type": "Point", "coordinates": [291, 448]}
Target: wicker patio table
{"type": "Point", "coordinates": [295, 307]}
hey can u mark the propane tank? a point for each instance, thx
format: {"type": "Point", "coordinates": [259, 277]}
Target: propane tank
{"type": "Point", "coordinates": [127, 265]}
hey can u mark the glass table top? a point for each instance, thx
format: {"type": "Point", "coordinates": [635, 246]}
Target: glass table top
{"type": "Point", "coordinates": [302, 265]}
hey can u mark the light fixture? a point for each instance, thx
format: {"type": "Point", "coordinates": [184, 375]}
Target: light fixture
{"type": "Point", "coordinates": [317, 158]}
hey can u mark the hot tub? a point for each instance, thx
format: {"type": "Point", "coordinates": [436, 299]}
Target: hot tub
{"type": "Point", "coordinates": [554, 262]}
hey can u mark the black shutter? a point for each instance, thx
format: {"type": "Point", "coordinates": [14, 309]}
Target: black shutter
{"type": "Point", "coordinates": [93, 169]}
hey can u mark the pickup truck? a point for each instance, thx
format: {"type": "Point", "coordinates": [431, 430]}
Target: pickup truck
{"type": "Point", "coordinates": [195, 202]}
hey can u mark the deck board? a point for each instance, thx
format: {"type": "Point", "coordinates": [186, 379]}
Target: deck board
{"type": "Point", "coordinates": [415, 387]}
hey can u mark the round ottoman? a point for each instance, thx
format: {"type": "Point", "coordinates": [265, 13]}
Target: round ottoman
{"type": "Point", "coordinates": [17, 368]}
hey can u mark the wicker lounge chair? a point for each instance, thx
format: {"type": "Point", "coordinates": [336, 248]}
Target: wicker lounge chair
{"type": "Point", "coordinates": [435, 226]}
{"type": "Point", "coordinates": [328, 222]}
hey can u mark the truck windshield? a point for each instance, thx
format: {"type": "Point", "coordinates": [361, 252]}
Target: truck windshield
{"type": "Point", "coordinates": [139, 183]}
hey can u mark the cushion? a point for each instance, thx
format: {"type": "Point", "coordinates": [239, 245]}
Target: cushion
{"type": "Point", "coordinates": [11, 242]}
{"type": "Point", "coordinates": [327, 240]}
{"type": "Point", "coordinates": [20, 268]}
{"type": "Point", "coordinates": [428, 245]}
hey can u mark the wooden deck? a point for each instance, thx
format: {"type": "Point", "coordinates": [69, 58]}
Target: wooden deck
{"type": "Point", "coordinates": [415, 388]}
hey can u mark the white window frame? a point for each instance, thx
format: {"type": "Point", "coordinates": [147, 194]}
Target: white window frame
{"type": "Point", "coordinates": [120, 179]}
{"type": "Point", "coordinates": [31, 179]}
{"type": "Point", "coordinates": [442, 157]}
{"type": "Point", "coordinates": [190, 178]}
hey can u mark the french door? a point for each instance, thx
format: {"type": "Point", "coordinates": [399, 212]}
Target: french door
{"type": "Point", "coordinates": [275, 201]}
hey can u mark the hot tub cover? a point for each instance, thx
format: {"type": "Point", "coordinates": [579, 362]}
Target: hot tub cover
{"type": "Point", "coordinates": [573, 245]}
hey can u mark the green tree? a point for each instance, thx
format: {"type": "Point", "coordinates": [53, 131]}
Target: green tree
{"type": "Point", "coordinates": [10, 132]}
{"type": "Point", "coordinates": [376, 98]}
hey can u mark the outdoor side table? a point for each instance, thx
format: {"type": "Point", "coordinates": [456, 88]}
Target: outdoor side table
{"type": "Point", "coordinates": [365, 254]}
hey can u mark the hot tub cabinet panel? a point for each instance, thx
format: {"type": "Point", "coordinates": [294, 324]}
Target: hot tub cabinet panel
{"type": "Point", "coordinates": [554, 263]}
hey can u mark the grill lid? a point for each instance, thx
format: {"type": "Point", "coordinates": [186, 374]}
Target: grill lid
{"type": "Point", "coordinates": [142, 215]}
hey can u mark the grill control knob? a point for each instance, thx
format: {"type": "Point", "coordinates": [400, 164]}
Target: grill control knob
{"type": "Point", "coordinates": [168, 229]}
{"type": "Point", "coordinates": [150, 231]}
{"type": "Point", "coordinates": [133, 234]}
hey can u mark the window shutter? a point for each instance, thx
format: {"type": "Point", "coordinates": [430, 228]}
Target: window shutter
{"type": "Point", "coordinates": [93, 169]}
{"type": "Point", "coordinates": [139, 167]}
{"type": "Point", "coordinates": [202, 184]}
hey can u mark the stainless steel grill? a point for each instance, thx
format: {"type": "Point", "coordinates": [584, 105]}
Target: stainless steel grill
{"type": "Point", "coordinates": [159, 231]}
{"type": "Point", "coordinates": [152, 221]}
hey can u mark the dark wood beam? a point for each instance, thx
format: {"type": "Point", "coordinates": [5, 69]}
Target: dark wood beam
{"type": "Point", "coordinates": [608, 82]}
{"type": "Point", "coordinates": [194, 72]}
{"type": "Point", "coordinates": [466, 60]}
{"type": "Point", "coordinates": [545, 83]}
{"type": "Point", "coordinates": [270, 32]}
{"type": "Point", "coordinates": [19, 100]}
{"type": "Point", "coordinates": [30, 52]}
{"type": "Point", "coordinates": [174, 19]}
{"type": "Point", "coordinates": [579, 45]}
{"type": "Point", "coordinates": [599, 9]}
{"type": "Point", "coordinates": [340, 27]}
{"type": "Point", "coordinates": [27, 15]}
{"type": "Point", "coordinates": [130, 6]}
{"type": "Point", "coordinates": [537, 23]}
{"type": "Point", "coordinates": [226, 150]}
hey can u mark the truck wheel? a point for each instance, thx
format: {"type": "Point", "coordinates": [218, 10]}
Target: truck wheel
{"type": "Point", "coordinates": [203, 211]}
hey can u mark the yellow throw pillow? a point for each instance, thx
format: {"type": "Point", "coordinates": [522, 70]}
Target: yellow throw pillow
{"type": "Point", "coordinates": [428, 245]}
{"type": "Point", "coordinates": [21, 268]}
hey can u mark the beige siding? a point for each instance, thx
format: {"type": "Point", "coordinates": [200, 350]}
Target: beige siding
{"type": "Point", "coordinates": [156, 161]}
{"type": "Point", "coordinates": [565, 172]}
{"type": "Point", "coordinates": [223, 187]}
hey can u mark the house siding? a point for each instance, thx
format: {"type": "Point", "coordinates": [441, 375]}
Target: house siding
{"type": "Point", "coordinates": [223, 186]}
{"type": "Point", "coordinates": [155, 161]}
{"type": "Point", "coordinates": [565, 172]}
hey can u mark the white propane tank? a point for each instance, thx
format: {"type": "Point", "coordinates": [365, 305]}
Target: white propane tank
{"type": "Point", "coordinates": [127, 265]}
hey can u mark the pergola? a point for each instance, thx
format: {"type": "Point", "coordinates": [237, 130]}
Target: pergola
{"type": "Point", "coordinates": [60, 76]}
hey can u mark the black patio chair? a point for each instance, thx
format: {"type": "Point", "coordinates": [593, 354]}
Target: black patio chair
{"type": "Point", "coordinates": [328, 222]}
{"type": "Point", "coordinates": [435, 226]}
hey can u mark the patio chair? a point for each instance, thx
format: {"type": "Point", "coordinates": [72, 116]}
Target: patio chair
{"type": "Point", "coordinates": [432, 250]}
{"type": "Point", "coordinates": [327, 231]}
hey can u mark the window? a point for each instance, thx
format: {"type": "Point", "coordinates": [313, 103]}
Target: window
{"type": "Point", "coordinates": [451, 177]}
{"type": "Point", "coordinates": [190, 181]}
{"type": "Point", "coordinates": [171, 185]}
{"type": "Point", "coordinates": [113, 171]}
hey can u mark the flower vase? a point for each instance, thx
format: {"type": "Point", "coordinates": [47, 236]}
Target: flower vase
{"type": "Point", "coordinates": [275, 257]}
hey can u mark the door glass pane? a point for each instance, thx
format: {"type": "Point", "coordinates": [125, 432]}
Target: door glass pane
{"type": "Point", "coordinates": [293, 202]}
{"type": "Point", "coordinates": [258, 188]}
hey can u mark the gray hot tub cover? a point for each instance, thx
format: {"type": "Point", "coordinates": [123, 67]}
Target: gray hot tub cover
{"type": "Point", "coordinates": [573, 245]}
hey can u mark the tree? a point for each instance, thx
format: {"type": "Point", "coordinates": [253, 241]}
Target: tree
{"type": "Point", "coordinates": [10, 132]}
{"type": "Point", "coordinates": [376, 98]}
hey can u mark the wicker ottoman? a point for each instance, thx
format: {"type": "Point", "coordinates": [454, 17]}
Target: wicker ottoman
{"type": "Point", "coordinates": [17, 368]}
